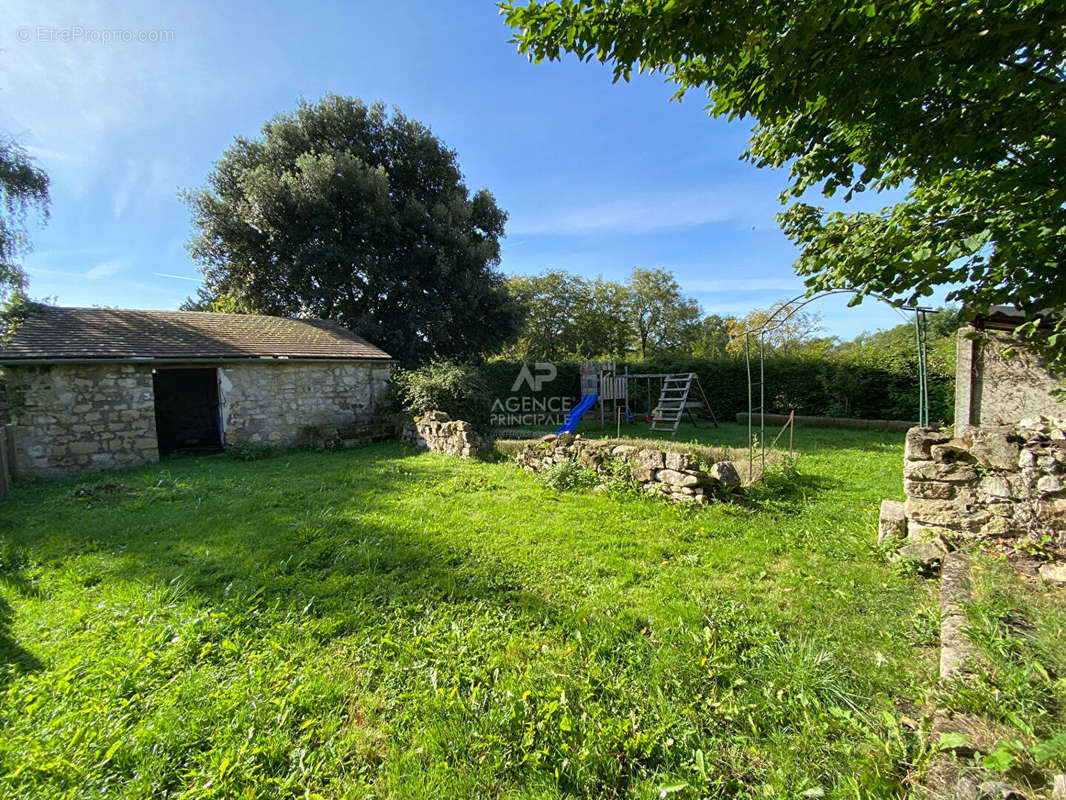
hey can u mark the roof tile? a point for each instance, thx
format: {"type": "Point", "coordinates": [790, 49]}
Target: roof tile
{"type": "Point", "coordinates": [53, 333]}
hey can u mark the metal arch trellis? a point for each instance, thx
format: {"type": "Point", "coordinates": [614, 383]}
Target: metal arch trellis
{"type": "Point", "coordinates": [921, 335]}
{"type": "Point", "coordinates": [772, 324]}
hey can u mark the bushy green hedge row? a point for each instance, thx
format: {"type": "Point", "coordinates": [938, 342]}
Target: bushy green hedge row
{"type": "Point", "coordinates": [809, 386]}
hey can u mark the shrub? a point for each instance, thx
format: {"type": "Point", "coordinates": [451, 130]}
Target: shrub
{"type": "Point", "coordinates": [458, 390]}
{"type": "Point", "coordinates": [567, 475]}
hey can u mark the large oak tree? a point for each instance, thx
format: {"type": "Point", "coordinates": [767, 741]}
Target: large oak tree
{"type": "Point", "coordinates": [958, 104]}
{"type": "Point", "coordinates": [343, 211]}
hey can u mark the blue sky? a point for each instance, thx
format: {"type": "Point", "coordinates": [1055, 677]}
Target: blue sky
{"type": "Point", "coordinates": [597, 177]}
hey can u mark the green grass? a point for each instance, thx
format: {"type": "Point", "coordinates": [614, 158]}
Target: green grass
{"type": "Point", "coordinates": [1017, 682]}
{"type": "Point", "coordinates": [379, 623]}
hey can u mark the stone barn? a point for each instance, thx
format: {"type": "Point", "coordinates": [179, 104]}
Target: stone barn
{"type": "Point", "coordinates": [97, 388]}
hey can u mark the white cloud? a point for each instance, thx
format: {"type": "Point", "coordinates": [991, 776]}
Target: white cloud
{"type": "Point", "coordinates": [105, 269]}
{"type": "Point", "coordinates": [687, 208]}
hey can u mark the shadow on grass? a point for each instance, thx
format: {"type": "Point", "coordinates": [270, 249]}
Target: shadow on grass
{"type": "Point", "coordinates": [315, 530]}
{"type": "Point", "coordinates": [14, 658]}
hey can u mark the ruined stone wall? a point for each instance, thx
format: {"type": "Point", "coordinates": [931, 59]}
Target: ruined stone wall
{"type": "Point", "coordinates": [284, 404]}
{"type": "Point", "coordinates": [437, 432]}
{"type": "Point", "coordinates": [673, 475]}
{"type": "Point", "coordinates": [1001, 482]}
{"type": "Point", "coordinates": [74, 418]}
{"type": "Point", "coordinates": [999, 381]}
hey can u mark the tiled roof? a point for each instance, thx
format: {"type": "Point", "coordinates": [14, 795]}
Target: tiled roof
{"type": "Point", "coordinates": [51, 333]}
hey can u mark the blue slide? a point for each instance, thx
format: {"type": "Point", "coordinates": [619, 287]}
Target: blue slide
{"type": "Point", "coordinates": [574, 417]}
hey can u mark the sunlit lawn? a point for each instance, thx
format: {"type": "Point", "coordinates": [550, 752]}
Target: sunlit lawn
{"type": "Point", "coordinates": [376, 623]}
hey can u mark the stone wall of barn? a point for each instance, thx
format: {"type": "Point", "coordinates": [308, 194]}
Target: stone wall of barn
{"type": "Point", "coordinates": [74, 418]}
{"type": "Point", "coordinates": [285, 404]}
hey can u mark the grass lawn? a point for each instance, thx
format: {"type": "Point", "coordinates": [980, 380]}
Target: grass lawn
{"type": "Point", "coordinates": [380, 623]}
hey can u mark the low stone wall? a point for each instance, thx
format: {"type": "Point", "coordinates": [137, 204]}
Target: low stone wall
{"type": "Point", "coordinates": [439, 433]}
{"type": "Point", "coordinates": [991, 483]}
{"type": "Point", "coordinates": [673, 475]}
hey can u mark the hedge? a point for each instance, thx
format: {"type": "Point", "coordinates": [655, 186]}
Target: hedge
{"type": "Point", "coordinates": [808, 386]}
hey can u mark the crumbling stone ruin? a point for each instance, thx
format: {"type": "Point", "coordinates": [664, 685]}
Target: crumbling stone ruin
{"type": "Point", "coordinates": [439, 433]}
{"type": "Point", "coordinates": [673, 475]}
{"type": "Point", "coordinates": [991, 483]}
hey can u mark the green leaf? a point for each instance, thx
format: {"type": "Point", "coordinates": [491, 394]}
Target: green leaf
{"type": "Point", "coordinates": [1001, 759]}
{"type": "Point", "coordinates": [951, 741]}
{"type": "Point", "coordinates": [1052, 748]}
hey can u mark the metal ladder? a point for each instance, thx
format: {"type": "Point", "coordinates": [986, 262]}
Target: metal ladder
{"type": "Point", "coordinates": [672, 399]}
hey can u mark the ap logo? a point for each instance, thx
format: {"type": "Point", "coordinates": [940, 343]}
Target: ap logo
{"type": "Point", "coordinates": [545, 374]}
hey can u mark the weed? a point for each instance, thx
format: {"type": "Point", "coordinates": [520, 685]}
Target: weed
{"type": "Point", "coordinates": [568, 475]}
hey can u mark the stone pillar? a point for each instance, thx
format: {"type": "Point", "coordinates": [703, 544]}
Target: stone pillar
{"type": "Point", "coordinates": [965, 350]}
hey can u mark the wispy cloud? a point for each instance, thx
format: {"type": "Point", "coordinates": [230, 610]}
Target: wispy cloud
{"type": "Point", "coordinates": [175, 277]}
{"type": "Point", "coordinates": [662, 212]}
{"type": "Point", "coordinates": [105, 269]}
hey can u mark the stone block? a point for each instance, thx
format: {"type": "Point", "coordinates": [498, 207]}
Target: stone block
{"type": "Point", "coordinates": [892, 523]}
{"type": "Point", "coordinates": [954, 452]}
{"type": "Point", "coordinates": [929, 490]}
{"type": "Point", "coordinates": [922, 552]}
{"type": "Point", "coordinates": [1052, 511]}
{"type": "Point", "coordinates": [623, 451]}
{"type": "Point", "coordinates": [998, 448]}
{"type": "Point", "coordinates": [650, 459]}
{"type": "Point", "coordinates": [919, 440]}
{"type": "Point", "coordinates": [997, 526]}
{"type": "Point", "coordinates": [1049, 484]}
{"type": "Point", "coordinates": [678, 461]}
{"type": "Point", "coordinates": [996, 486]}
{"type": "Point", "coordinates": [931, 471]}
{"type": "Point", "coordinates": [725, 472]}
{"type": "Point", "coordinates": [672, 477]}
{"type": "Point", "coordinates": [946, 514]}
{"type": "Point", "coordinates": [919, 532]}
{"type": "Point", "coordinates": [642, 474]}
{"type": "Point", "coordinates": [1054, 573]}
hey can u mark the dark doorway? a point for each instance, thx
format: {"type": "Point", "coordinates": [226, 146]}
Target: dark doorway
{"type": "Point", "coordinates": [186, 410]}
